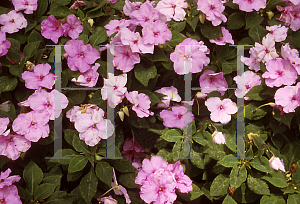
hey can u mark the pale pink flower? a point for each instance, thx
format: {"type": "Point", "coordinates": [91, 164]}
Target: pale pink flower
{"type": "Point", "coordinates": [184, 183]}
{"type": "Point", "coordinates": [253, 63]}
{"type": "Point", "coordinates": [266, 50]}
{"type": "Point", "coordinates": [179, 117]}
{"type": "Point", "coordinates": [171, 94]}
{"type": "Point", "coordinates": [9, 195]}
{"type": "Point", "coordinates": [213, 10]}
{"type": "Point", "coordinates": [156, 33]}
{"type": "Point", "coordinates": [4, 44]}
{"type": "Point", "coordinates": [277, 164]}
{"type": "Point", "coordinates": [201, 95]}
{"type": "Point", "coordinates": [28, 5]}
{"type": "Point", "coordinates": [288, 97]}
{"type": "Point", "coordinates": [12, 22]}
{"type": "Point", "coordinates": [218, 137]}
{"type": "Point", "coordinates": [3, 124]}
{"type": "Point", "coordinates": [129, 7]}
{"type": "Point", "coordinates": [7, 180]}
{"type": "Point", "coordinates": [292, 55]}
{"type": "Point", "coordinates": [115, 84]}
{"type": "Point", "coordinates": [172, 9]}
{"type": "Point", "coordinates": [146, 13]}
{"type": "Point", "coordinates": [108, 200]}
{"type": "Point", "coordinates": [125, 59]}
{"type": "Point", "coordinates": [287, 16]}
{"type": "Point", "coordinates": [52, 29]}
{"type": "Point", "coordinates": [119, 190]}
{"type": "Point", "coordinates": [190, 56]}
{"type": "Point", "coordinates": [280, 72]}
{"type": "Point", "coordinates": [116, 25]}
{"type": "Point", "coordinates": [88, 78]}
{"type": "Point", "coordinates": [250, 5]}
{"type": "Point", "coordinates": [227, 38]}
{"type": "Point", "coordinates": [72, 27]}
{"type": "Point", "coordinates": [211, 81]}
{"type": "Point", "coordinates": [39, 78]}
{"type": "Point", "coordinates": [141, 103]}
{"type": "Point", "coordinates": [278, 32]}
{"type": "Point", "coordinates": [221, 110]}
{"type": "Point", "coordinates": [245, 82]}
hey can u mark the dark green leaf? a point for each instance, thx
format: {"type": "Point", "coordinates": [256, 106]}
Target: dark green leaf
{"type": "Point", "coordinates": [61, 2]}
{"type": "Point", "coordinates": [176, 39]}
{"type": "Point", "coordinates": [193, 22]}
{"type": "Point", "coordinates": [244, 195]}
{"type": "Point", "coordinates": [236, 20]}
{"type": "Point", "coordinates": [118, 5]}
{"type": "Point", "coordinates": [158, 55]}
{"type": "Point", "coordinates": [61, 156]}
{"type": "Point", "coordinates": [77, 163]}
{"type": "Point", "coordinates": [60, 11]}
{"type": "Point", "coordinates": [31, 48]}
{"type": "Point", "coordinates": [79, 145]}
{"type": "Point", "coordinates": [98, 37]}
{"type": "Point", "coordinates": [204, 138]}
{"type": "Point", "coordinates": [257, 186]}
{"type": "Point", "coordinates": [172, 135]}
{"type": "Point", "coordinates": [41, 9]}
{"type": "Point", "coordinates": [196, 193]}
{"type": "Point", "coordinates": [33, 175]}
{"type": "Point", "coordinates": [229, 161]}
{"type": "Point", "coordinates": [261, 163]}
{"type": "Point", "coordinates": [272, 199]}
{"type": "Point", "coordinates": [238, 175]}
{"type": "Point", "coordinates": [104, 172]}
{"type": "Point", "coordinates": [211, 32]}
{"type": "Point", "coordinates": [77, 96]}
{"type": "Point", "coordinates": [177, 26]}
{"type": "Point", "coordinates": [219, 185]}
{"type": "Point", "coordinates": [88, 186]}
{"type": "Point", "coordinates": [14, 45]}
{"type": "Point", "coordinates": [257, 33]}
{"type": "Point", "coordinates": [255, 93]}
{"type": "Point", "coordinates": [44, 191]}
{"type": "Point", "coordinates": [8, 83]}
{"type": "Point", "coordinates": [286, 118]}
{"type": "Point", "coordinates": [143, 74]}
{"type": "Point", "coordinates": [229, 200]}
{"type": "Point", "coordinates": [35, 37]}
{"type": "Point", "coordinates": [128, 180]}
{"type": "Point", "coordinates": [253, 19]}
{"type": "Point", "coordinates": [293, 199]}
{"type": "Point", "coordinates": [123, 165]}
{"type": "Point", "coordinates": [276, 178]}
{"type": "Point", "coordinates": [252, 114]}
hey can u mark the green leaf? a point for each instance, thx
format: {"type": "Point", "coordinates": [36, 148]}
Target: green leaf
{"type": "Point", "coordinates": [84, 38]}
{"type": "Point", "coordinates": [165, 154]}
{"type": "Point", "coordinates": [104, 172]}
{"type": "Point", "coordinates": [293, 199]}
{"type": "Point", "coordinates": [79, 145]}
{"type": "Point", "coordinates": [172, 135]}
{"type": "Point", "coordinates": [276, 178]}
{"type": "Point", "coordinates": [193, 22]}
{"type": "Point", "coordinates": [244, 195]}
{"type": "Point", "coordinates": [61, 2]}
{"type": "Point", "coordinates": [236, 20]}
{"type": "Point", "coordinates": [123, 165]}
{"type": "Point", "coordinates": [255, 93]}
{"type": "Point", "coordinates": [14, 56]}
{"type": "Point", "coordinates": [286, 118]}
{"type": "Point", "coordinates": [53, 179]}
{"type": "Point", "coordinates": [238, 175]}
{"type": "Point", "coordinates": [176, 39]}
{"type": "Point", "coordinates": [157, 56]}
{"type": "Point", "coordinates": [226, 67]}
{"type": "Point", "coordinates": [153, 97]}
{"type": "Point", "coordinates": [15, 45]}
{"type": "Point", "coordinates": [229, 200]}
{"type": "Point", "coordinates": [217, 151]}
{"type": "Point", "coordinates": [118, 5]}
{"type": "Point", "coordinates": [77, 163]}
{"type": "Point", "coordinates": [253, 19]}
{"type": "Point", "coordinates": [4, 10]}
{"type": "Point", "coordinates": [35, 37]}
{"type": "Point", "coordinates": [69, 134]}
{"type": "Point", "coordinates": [196, 193]}
{"type": "Point", "coordinates": [64, 153]}
{"type": "Point", "coordinates": [8, 83]}
{"type": "Point", "coordinates": [143, 74]}
{"type": "Point", "coordinates": [204, 138]}
{"type": "Point", "coordinates": [211, 32]}
{"type": "Point", "coordinates": [177, 26]}
{"type": "Point", "coordinates": [128, 180]}
{"type": "Point", "coordinates": [33, 175]}
{"type": "Point", "coordinates": [261, 163]}
{"type": "Point", "coordinates": [44, 191]}
{"type": "Point", "coordinates": [252, 114]}
{"type": "Point", "coordinates": [60, 11]}
{"type": "Point", "coordinates": [30, 49]}
{"type": "Point", "coordinates": [229, 161]}
{"type": "Point", "coordinates": [98, 37]}
{"type": "Point", "coordinates": [257, 33]}
{"type": "Point", "coordinates": [257, 186]}
{"type": "Point", "coordinates": [88, 186]}
{"type": "Point", "coordinates": [272, 199]}
{"type": "Point", "coordinates": [77, 96]}
{"type": "Point", "coordinates": [41, 9]}
{"type": "Point", "coordinates": [219, 185]}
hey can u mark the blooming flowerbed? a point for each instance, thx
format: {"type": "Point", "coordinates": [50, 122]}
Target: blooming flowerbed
{"type": "Point", "coordinates": [149, 101]}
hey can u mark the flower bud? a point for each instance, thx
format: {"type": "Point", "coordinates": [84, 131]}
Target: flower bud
{"type": "Point", "coordinates": [218, 137]}
{"type": "Point", "coordinates": [121, 115]}
{"type": "Point", "coordinates": [91, 22]}
{"type": "Point", "coordinates": [201, 95]}
{"type": "Point", "coordinates": [125, 110]}
{"type": "Point", "coordinates": [270, 14]}
{"type": "Point", "coordinates": [277, 164]}
{"type": "Point", "coordinates": [98, 158]}
{"type": "Point", "coordinates": [29, 66]}
{"type": "Point", "coordinates": [202, 17]}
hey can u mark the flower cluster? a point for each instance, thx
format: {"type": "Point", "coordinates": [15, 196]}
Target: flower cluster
{"type": "Point", "coordinates": [290, 15]}
{"type": "Point", "coordinates": [213, 10]}
{"type": "Point", "coordinates": [9, 192]}
{"type": "Point", "coordinates": [160, 179]}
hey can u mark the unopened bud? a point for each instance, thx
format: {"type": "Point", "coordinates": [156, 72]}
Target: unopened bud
{"type": "Point", "coordinates": [125, 110]}
{"type": "Point", "coordinates": [202, 17]}
{"type": "Point", "coordinates": [29, 66]}
{"type": "Point", "coordinates": [201, 95]}
{"type": "Point", "coordinates": [121, 115]}
{"type": "Point", "coordinates": [270, 14]}
{"type": "Point", "coordinates": [5, 107]}
{"type": "Point", "coordinates": [91, 22]}
{"type": "Point", "coordinates": [98, 158]}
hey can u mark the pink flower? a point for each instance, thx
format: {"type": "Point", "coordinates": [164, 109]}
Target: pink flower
{"type": "Point", "coordinates": [108, 200]}
{"type": "Point", "coordinates": [119, 190]}
{"type": "Point", "coordinates": [39, 78]}
{"type": "Point", "coordinates": [179, 117]}
{"type": "Point", "coordinates": [4, 44]}
{"type": "Point", "coordinates": [13, 145]}
{"type": "Point", "coordinates": [77, 4]}
{"type": "Point", "coordinates": [29, 5]}
{"type": "Point", "coordinates": [227, 38]}
{"type": "Point", "coordinates": [172, 9]}
{"type": "Point", "coordinates": [279, 72]}
{"type": "Point", "coordinates": [211, 81]}
{"type": "Point", "coordinates": [125, 59]}
{"type": "Point", "coordinates": [288, 97]}
{"type": "Point", "coordinates": [116, 25]}
{"type": "Point", "coordinates": [292, 55]}
{"type": "Point", "coordinates": [277, 164]}
{"type": "Point", "coordinates": [278, 32]}
{"type": "Point", "coordinates": [171, 94]}
{"type": "Point", "coordinates": [250, 5]}
{"type": "Point", "coordinates": [52, 29]}
{"type": "Point", "coordinates": [117, 85]}
{"type": "Point", "coordinates": [184, 183]}
{"type": "Point", "coordinates": [80, 56]}
{"type": "Point", "coordinates": [221, 110]}
{"type": "Point", "coordinates": [290, 16]}
{"type": "Point", "coordinates": [253, 63]}
{"type": "Point", "coordinates": [9, 195]}
{"type": "Point", "coordinates": [88, 78]}
{"type": "Point", "coordinates": [245, 82]}
{"type": "Point", "coordinates": [129, 7]}
{"type": "Point", "coordinates": [213, 10]}
{"type": "Point", "coordinates": [72, 27]}
{"type": "Point", "coordinates": [42, 101]}
{"type": "Point", "coordinates": [33, 125]}
{"type": "Point", "coordinates": [190, 56]}
{"type": "Point", "coordinates": [12, 22]}
{"type": "Point", "coordinates": [156, 33]}
{"type": "Point", "coordinates": [141, 103]}
{"type": "Point", "coordinates": [146, 13]}
{"type": "Point", "coordinates": [218, 137]}
{"type": "Point", "coordinates": [138, 152]}
{"type": "Point", "coordinates": [267, 50]}
{"type": "Point", "coordinates": [7, 180]}
{"type": "Point", "coordinates": [3, 124]}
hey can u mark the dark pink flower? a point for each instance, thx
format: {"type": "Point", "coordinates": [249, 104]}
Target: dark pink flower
{"type": "Point", "coordinates": [129, 7]}
{"type": "Point", "coordinates": [211, 81]}
{"type": "Point", "coordinates": [156, 33]}
{"type": "Point", "coordinates": [72, 27]}
{"type": "Point", "coordinates": [218, 137]}
{"type": "Point", "coordinates": [125, 59]}
{"type": "Point", "coordinates": [9, 195]}
{"type": "Point", "coordinates": [146, 13]}
{"type": "Point", "coordinates": [108, 200]}
{"type": "Point", "coordinates": [4, 44]}
{"type": "Point", "coordinates": [138, 152]}
{"type": "Point", "coordinates": [118, 189]}
{"type": "Point", "coordinates": [28, 5]}
{"type": "Point", "coordinates": [291, 55]}
{"type": "Point", "coordinates": [6, 180]}
{"type": "Point", "coordinates": [52, 28]}
{"type": "Point", "coordinates": [12, 22]}
{"type": "Point", "coordinates": [179, 117]}
{"type": "Point", "coordinates": [116, 25]}
{"type": "Point", "coordinates": [3, 124]}
{"type": "Point", "coordinates": [172, 9]}
{"type": "Point", "coordinates": [278, 32]}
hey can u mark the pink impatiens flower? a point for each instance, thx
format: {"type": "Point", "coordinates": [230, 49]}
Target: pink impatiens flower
{"type": "Point", "coordinates": [88, 78]}
{"type": "Point", "coordinates": [184, 183]}
{"type": "Point", "coordinates": [116, 25]}
{"type": "Point", "coordinates": [190, 56]}
{"type": "Point", "coordinates": [218, 137]}
{"type": "Point", "coordinates": [129, 7]}
{"type": "Point", "coordinates": [3, 125]}
{"type": "Point", "coordinates": [12, 22]}
{"type": "Point", "coordinates": [72, 27]}
{"type": "Point", "coordinates": [290, 16]}
{"type": "Point", "coordinates": [279, 72]}
{"type": "Point", "coordinates": [39, 78]}
{"type": "Point", "coordinates": [108, 200]}
{"type": "Point", "coordinates": [4, 44]}
{"type": "Point", "coordinates": [52, 29]}
{"type": "Point", "coordinates": [288, 97]}
{"type": "Point", "coordinates": [118, 189]}
{"type": "Point", "coordinates": [213, 10]}
{"type": "Point", "coordinates": [29, 5]}
{"type": "Point", "coordinates": [266, 50]}
{"type": "Point", "coordinates": [171, 94]}
{"type": "Point", "coordinates": [146, 13]}
{"type": "Point", "coordinates": [250, 5]}
{"type": "Point", "coordinates": [80, 56]}
{"type": "Point", "coordinates": [141, 103]}
{"type": "Point", "coordinates": [9, 195]}
{"type": "Point", "coordinates": [7, 180]}
{"type": "Point", "coordinates": [156, 33]}
{"type": "Point", "coordinates": [227, 38]}
{"type": "Point", "coordinates": [221, 110]}
{"type": "Point", "coordinates": [179, 117]}
{"type": "Point", "coordinates": [211, 81]}
{"type": "Point", "coordinates": [245, 82]}
{"type": "Point", "coordinates": [277, 164]}
{"type": "Point", "coordinates": [278, 32]}
{"type": "Point", "coordinates": [291, 55]}
{"type": "Point", "coordinates": [172, 9]}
